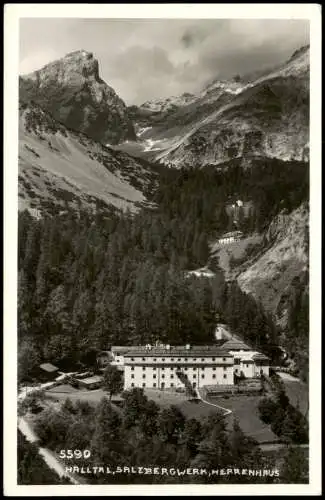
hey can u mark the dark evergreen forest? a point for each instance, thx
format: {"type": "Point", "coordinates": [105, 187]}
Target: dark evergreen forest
{"type": "Point", "coordinates": [89, 281]}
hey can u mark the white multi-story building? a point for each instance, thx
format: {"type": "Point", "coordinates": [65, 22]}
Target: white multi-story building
{"type": "Point", "coordinates": [167, 367]}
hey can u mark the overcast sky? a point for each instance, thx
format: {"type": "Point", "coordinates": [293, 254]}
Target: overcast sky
{"type": "Point", "coordinates": [146, 59]}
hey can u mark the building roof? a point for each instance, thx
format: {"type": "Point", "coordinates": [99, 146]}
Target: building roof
{"type": "Point", "coordinates": [251, 356]}
{"type": "Point", "coordinates": [260, 356]}
{"type": "Point", "coordinates": [48, 367]}
{"type": "Point", "coordinates": [126, 348]}
{"type": "Point", "coordinates": [182, 351]}
{"type": "Point", "coordinates": [91, 380]}
{"type": "Point", "coordinates": [235, 345]}
{"type": "Point", "coordinates": [230, 234]}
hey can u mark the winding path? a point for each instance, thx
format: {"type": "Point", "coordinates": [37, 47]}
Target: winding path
{"type": "Point", "coordinates": [48, 456]}
{"type": "Point", "coordinates": [225, 410]}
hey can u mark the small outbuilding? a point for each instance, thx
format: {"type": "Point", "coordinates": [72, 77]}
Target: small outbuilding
{"type": "Point", "coordinates": [48, 371]}
{"type": "Point", "coordinates": [93, 382]}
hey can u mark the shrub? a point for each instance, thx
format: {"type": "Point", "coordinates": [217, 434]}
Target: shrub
{"type": "Point", "coordinates": [266, 409]}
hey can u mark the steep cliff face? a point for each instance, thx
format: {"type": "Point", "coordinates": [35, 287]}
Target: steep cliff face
{"type": "Point", "coordinates": [73, 92]}
{"type": "Point", "coordinates": [265, 114]}
{"type": "Point", "coordinates": [59, 167]}
{"type": "Point", "coordinates": [270, 276]}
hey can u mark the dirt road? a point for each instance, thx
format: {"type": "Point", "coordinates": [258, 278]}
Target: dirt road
{"type": "Point", "coordinates": [47, 455]}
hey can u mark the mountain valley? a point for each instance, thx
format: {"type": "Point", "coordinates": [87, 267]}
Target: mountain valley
{"type": "Point", "coordinates": [260, 115]}
{"type": "Point", "coordinates": [81, 149]}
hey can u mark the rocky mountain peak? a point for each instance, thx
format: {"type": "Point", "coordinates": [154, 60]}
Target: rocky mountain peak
{"type": "Point", "coordinates": [84, 62]}
{"type": "Point", "coordinates": [302, 50]}
{"type": "Point", "coordinates": [71, 89]}
{"type": "Point", "coordinates": [74, 66]}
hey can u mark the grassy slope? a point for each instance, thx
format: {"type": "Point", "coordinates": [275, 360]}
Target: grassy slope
{"type": "Point", "coordinates": [53, 162]}
{"type": "Point", "coordinates": [245, 408]}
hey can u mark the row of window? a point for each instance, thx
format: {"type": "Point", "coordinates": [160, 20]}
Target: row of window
{"type": "Point", "coordinates": [172, 368]}
{"type": "Point", "coordinates": [163, 386]}
{"type": "Point", "coordinates": [172, 376]}
{"type": "Point", "coordinates": [155, 385]}
{"type": "Point", "coordinates": [179, 359]}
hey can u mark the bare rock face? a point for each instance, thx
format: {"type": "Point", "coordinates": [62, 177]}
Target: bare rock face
{"type": "Point", "coordinates": [269, 279]}
{"type": "Point", "coordinates": [264, 115]}
{"type": "Point", "coordinates": [73, 92]}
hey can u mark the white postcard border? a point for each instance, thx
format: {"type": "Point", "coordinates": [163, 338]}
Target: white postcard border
{"type": "Point", "coordinates": [13, 12]}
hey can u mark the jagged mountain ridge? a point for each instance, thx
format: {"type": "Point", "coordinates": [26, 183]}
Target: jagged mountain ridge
{"type": "Point", "coordinates": [169, 103]}
{"type": "Point", "coordinates": [73, 92]}
{"type": "Point", "coordinates": [59, 167]}
{"type": "Point", "coordinates": [266, 116]}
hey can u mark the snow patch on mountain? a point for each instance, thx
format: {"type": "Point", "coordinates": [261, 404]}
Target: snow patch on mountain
{"type": "Point", "coordinates": [166, 104]}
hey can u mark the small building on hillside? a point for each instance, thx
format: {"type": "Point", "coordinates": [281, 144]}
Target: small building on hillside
{"type": "Point", "coordinates": [250, 364]}
{"type": "Point", "coordinates": [231, 237]}
{"type": "Point", "coordinates": [239, 208]}
{"type": "Point", "coordinates": [48, 371]}
{"type": "Point", "coordinates": [262, 364]}
{"type": "Point", "coordinates": [118, 353]}
{"type": "Point", "coordinates": [203, 272]}
{"type": "Point", "coordinates": [247, 361]}
{"type": "Point", "coordinates": [222, 332]}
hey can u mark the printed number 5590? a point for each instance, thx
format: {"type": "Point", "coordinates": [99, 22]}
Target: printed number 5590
{"type": "Point", "coordinates": [74, 453]}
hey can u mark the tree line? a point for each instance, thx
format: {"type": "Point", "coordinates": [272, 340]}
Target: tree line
{"type": "Point", "coordinates": [140, 433]}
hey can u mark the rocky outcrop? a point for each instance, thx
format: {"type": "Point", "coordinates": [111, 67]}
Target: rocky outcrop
{"type": "Point", "coordinates": [285, 258]}
{"type": "Point", "coordinates": [73, 92]}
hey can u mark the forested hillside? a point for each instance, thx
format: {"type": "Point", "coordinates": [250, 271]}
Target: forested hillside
{"type": "Point", "coordinates": [86, 282]}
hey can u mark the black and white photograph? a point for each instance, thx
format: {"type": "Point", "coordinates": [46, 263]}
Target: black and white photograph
{"type": "Point", "coordinates": [161, 172]}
